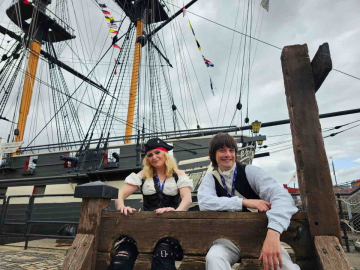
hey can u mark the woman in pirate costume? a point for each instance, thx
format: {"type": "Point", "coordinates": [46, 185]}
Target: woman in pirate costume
{"type": "Point", "coordinates": [165, 188]}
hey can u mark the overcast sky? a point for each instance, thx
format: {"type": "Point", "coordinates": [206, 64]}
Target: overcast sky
{"type": "Point", "coordinates": [286, 23]}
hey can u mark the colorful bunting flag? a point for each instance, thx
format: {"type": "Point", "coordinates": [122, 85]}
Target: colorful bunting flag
{"type": "Point", "coordinates": [211, 86]}
{"type": "Point", "coordinates": [117, 62]}
{"type": "Point", "coordinates": [265, 4]}
{"type": "Point", "coordinates": [184, 11]}
{"type": "Point", "coordinates": [197, 43]}
{"type": "Point", "coordinates": [113, 31]}
{"type": "Point", "coordinates": [106, 12]}
{"type": "Point", "coordinates": [208, 63]}
{"type": "Point", "coordinates": [102, 5]}
{"type": "Point", "coordinates": [191, 28]}
{"type": "Point", "coordinates": [114, 26]}
{"type": "Point", "coordinates": [116, 46]}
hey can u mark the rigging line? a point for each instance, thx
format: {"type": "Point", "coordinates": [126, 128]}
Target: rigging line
{"type": "Point", "coordinates": [197, 79]}
{"type": "Point", "coordinates": [177, 68]}
{"type": "Point", "coordinates": [183, 69]}
{"type": "Point", "coordinates": [243, 62]}
{"type": "Point", "coordinates": [224, 26]}
{"type": "Point", "coordinates": [86, 50]}
{"type": "Point", "coordinates": [347, 74]}
{"type": "Point", "coordinates": [237, 69]}
{"type": "Point", "coordinates": [248, 82]}
{"type": "Point", "coordinates": [192, 95]}
{"type": "Point", "coordinates": [228, 64]}
{"type": "Point", "coordinates": [73, 92]}
{"type": "Point", "coordinates": [337, 127]}
{"type": "Point", "coordinates": [182, 119]}
{"type": "Point", "coordinates": [80, 32]}
{"type": "Point", "coordinates": [334, 134]}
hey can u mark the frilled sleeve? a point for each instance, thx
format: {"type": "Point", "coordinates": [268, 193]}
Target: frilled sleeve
{"type": "Point", "coordinates": [134, 179]}
{"type": "Point", "coordinates": [185, 181]}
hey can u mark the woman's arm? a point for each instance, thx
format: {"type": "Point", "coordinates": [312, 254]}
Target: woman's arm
{"type": "Point", "coordinates": [186, 200]}
{"type": "Point", "coordinates": [125, 192]}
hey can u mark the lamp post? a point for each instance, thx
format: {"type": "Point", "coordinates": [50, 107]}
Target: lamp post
{"type": "Point", "coordinates": [260, 142]}
{"type": "Point", "coordinates": [255, 127]}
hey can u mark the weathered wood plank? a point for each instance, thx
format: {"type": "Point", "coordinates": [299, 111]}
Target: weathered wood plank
{"type": "Point", "coordinates": [90, 219]}
{"type": "Point", "coordinates": [195, 238]}
{"type": "Point", "coordinates": [80, 253]}
{"type": "Point", "coordinates": [193, 263]}
{"type": "Point", "coordinates": [321, 65]}
{"type": "Point", "coordinates": [143, 262]}
{"type": "Point", "coordinates": [202, 215]}
{"type": "Point", "coordinates": [311, 161]}
{"type": "Point", "coordinates": [103, 260]}
{"type": "Point", "coordinates": [330, 254]}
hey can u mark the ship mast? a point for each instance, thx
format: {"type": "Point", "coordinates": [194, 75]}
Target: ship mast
{"type": "Point", "coordinates": [141, 12]}
{"type": "Point", "coordinates": [19, 13]}
{"type": "Point", "coordinates": [140, 23]}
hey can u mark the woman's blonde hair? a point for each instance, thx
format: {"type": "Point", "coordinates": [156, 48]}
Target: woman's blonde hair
{"type": "Point", "coordinates": [170, 163]}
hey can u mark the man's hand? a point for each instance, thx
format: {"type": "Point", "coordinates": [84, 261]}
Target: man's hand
{"type": "Point", "coordinates": [260, 205]}
{"type": "Point", "coordinates": [271, 252]}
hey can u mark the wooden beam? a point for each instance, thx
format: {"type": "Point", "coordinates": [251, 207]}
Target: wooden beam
{"type": "Point", "coordinates": [321, 65]}
{"type": "Point", "coordinates": [196, 231]}
{"type": "Point", "coordinates": [330, 253]}
{"type": "Point", "coordinates": [79, 254]}
{"type": "Point", "coordinates": [96, 197]}
{"type": "Point", "coordinates": [312, 165]}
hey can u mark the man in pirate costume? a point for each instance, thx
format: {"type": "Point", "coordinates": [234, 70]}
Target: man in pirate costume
{"type": "Point", "coordinates": [236, 187]}
{"type": "Point", "coordinates": [162, 185]}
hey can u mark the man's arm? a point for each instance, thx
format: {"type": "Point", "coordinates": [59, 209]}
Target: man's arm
{"type": "Point", "coordinates": [209, 201]}
{"type": "Point", "coordinates": [282, 209]}
{"type": "Point", "coordinates": [282, 204]}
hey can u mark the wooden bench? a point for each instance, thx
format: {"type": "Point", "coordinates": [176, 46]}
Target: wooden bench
{"type": "Point", "coordinates": [99, 229]}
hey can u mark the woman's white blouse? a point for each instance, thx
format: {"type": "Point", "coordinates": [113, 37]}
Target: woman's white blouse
{"type": "Point", "coordinates": [171, 188]}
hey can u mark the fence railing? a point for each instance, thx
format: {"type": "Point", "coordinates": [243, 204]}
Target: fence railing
{"type": "Point", "coordinates": [29, 220]}
{"type": "Point", "coordinates": [350, 214]}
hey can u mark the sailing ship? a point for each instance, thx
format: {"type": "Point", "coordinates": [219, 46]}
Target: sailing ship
{"type": "Point", "coordinates": [66, 128]}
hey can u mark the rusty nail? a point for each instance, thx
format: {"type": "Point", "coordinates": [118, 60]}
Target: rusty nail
{"type": "Point", "coordinates": [74, 247]}
{"type": "Point", "coordinates": [337, 248]}
{"type": "Point", "coordinates": [324, 250]}
{"type": "Point", "coordinates": [85, 244]}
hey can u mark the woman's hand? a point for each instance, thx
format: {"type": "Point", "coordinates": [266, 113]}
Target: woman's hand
{"type": "Point", "coordinates": [159, 211]}
{"type": "Point", "coordinates": [126, 209]}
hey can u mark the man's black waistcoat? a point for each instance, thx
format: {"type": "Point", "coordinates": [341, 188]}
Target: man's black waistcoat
{"type": "Point", "coordinates": [241, 185]}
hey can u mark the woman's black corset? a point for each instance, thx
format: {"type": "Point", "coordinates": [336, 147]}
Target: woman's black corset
{"type": "Point", "coordinates": [152, 202]}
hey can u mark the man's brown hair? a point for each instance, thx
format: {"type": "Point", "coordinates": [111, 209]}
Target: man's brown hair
{"type": "Point", "coordinates": [219, 141]}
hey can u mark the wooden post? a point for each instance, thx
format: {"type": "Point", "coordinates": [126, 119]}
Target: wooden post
{"type": "Point", "coordinates": [327, 249]}
{"type": "Point", "coordinates": [313, 171]}
{"type": "Point", "coordinates": [312, 165]}
{"type": "Point", "coordinates": [321, 65]}
{"type": "Point", "coordinates": [83, 252]}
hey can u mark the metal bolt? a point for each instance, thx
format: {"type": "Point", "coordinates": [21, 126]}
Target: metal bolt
{"type": "Point", "coordinates": [85, 244]}
{"type": "Point", "coordinates": [324, 250]}
{"type": "Point", "coordinates": [337, 248]}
